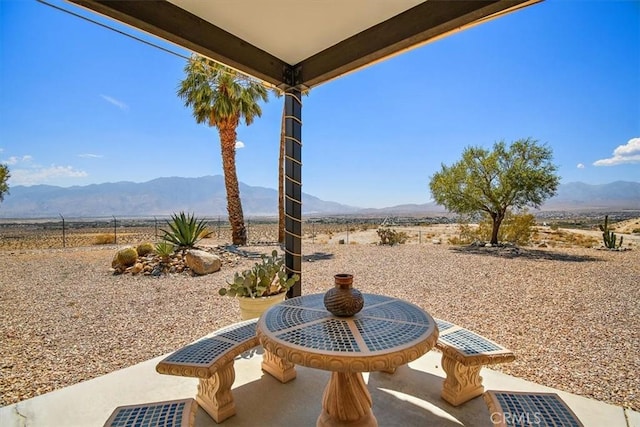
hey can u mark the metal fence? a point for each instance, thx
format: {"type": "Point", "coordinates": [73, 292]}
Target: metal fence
{"type": "Point", "coordinates": [66, 232]}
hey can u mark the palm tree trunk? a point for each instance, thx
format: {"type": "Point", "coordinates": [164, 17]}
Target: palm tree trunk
{"type": "Point", "coordinates": [234, 206]}
{"type": "Point", "coordinates": [281, 182]}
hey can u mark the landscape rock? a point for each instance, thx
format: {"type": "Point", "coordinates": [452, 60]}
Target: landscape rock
{"type": "Point", "coordinates": [201, 262]}
{"type": "Point", "coordinates": [137, 268]}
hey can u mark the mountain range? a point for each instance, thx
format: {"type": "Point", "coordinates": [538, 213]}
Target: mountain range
{"type": "Point", "coordinates": [206, 196]}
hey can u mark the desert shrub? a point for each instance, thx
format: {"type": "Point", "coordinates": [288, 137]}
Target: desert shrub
{"type": "Point", "coordinates": [144, 248]}
{"type": "Point", "coordinates": [104, 239]}
{"type": "Point", "coordinates": [466, 234]}
{"type": "Point", "coordinates": [635, 231]}
{"type": "Point", "coordinates": [554, 226]}
{"type": "Point", "coordinates": [456, 240]}
{"type": "Point", "coordinates": [185, 230]}
{"type": "Point", "coordinates": [389, 236]}
{"type": "Point", "coordinates": [516, 228]}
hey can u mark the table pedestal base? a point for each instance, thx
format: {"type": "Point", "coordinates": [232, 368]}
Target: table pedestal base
{"type": "Point", "coordinates": [346, 402]}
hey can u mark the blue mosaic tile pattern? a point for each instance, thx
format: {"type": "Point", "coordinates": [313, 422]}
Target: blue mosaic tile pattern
{"type": "Point", "coordinates": [385, 323]}
{"type": "Point", "coordinates": [161, 415]}
{"type": "Point", "coordinates": [200, 353]}
{"type": "Point", "coordinates": [540, 410]}
{"type": "Point", "coordinates": [309, 301]}
{"type": "Point", "coordinates": [372, 299]}
{"type": "Point", "coordinates": [468, 342]}
{"type": "Point", "coordinates": [397, 311]}
{"type": "Point", "coordinates": [384, 334]}
{"type": "Point", "coordinates": [443, 325]}
{"type": "Point", "coordinates": [331, 335]}
{"type": "Point", "coordinates": [239, 333]}
{"type": "Point", "coordinates": [283, 317]}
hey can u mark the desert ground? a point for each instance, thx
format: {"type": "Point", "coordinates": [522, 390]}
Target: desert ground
{"type": "Point", "coordinates": [569, 311]}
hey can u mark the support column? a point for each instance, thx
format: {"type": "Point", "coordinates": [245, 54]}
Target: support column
{"type": "Point", "coordinates": [293, 186]}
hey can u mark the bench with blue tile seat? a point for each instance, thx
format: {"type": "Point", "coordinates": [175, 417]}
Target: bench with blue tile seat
{"type": "Point", "coordinates": [211, 361]}
{"type": "Point", "coordinates": [463, 354]}
{"type": "Point", "coordinates": [516, 408]}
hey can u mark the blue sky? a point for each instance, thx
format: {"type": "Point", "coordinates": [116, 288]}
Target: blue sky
{"type": "Point", "coordinates": [80, 104]}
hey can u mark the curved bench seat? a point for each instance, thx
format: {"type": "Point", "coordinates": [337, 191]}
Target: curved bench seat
{"type": "Point", "coordinates": [463, 354]}
{"type": "Point", "coordinates": [211, 360]}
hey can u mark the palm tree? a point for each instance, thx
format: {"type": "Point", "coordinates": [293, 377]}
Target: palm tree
{"type": "Point", "coordinates": [222, 97]}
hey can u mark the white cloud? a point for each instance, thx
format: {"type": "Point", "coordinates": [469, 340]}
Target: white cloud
{"type": "Point", "coordinates": [44, 175]}
{"type": "Point", "coordinates": [13, 160]}
{"type": "Point", "coordinates": [239, 144]}
{"type": "Point", "coordinates": [121, 105]}
{"type": "Point", "coordinates": [580, 165]}
{"type": "Point", "coordinates": [628, 153]}
{"type": "Point", "coordinates": [91, 156]}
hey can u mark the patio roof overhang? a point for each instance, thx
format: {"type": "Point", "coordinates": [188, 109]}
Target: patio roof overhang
{"type": "Point", "coordinates": [301, 42]}
{"type": "Point", "coordinates": [296, 45]}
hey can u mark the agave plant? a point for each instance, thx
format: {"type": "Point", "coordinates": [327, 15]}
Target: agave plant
{"type": "Point", "coordinates": [185, 230]}
{"type": "Point", "coordinates": [164, 250]}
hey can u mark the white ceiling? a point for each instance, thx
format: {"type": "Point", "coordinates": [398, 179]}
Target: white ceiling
{"type": "Point", "coordinates": [294, 30]}
{"type": "Point", "coordinates": [301, 43]}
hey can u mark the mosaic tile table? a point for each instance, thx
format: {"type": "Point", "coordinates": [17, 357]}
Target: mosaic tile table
{"type": "Point", "coordinates": [387, 333]}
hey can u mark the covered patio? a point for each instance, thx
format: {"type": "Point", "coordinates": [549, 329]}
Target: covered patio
{"type": "Point", "coordinates": [297, 45]}
{"type": "Point", "coordinates": [278, 43]}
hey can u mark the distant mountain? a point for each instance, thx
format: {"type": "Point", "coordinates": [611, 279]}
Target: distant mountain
{"type": "Point", "coordinates": [581, 196]}
{"type": "Point", "coordinates": [574, 196]}
{"type": "Point", "coordinates": [206, 196]}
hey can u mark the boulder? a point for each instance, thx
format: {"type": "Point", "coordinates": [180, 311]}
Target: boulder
{"type": "Point", "coordinates": [201, 262]}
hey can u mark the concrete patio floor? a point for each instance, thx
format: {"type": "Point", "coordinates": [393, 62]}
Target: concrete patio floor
{"type": "Point", "coordinates": [410, 397]}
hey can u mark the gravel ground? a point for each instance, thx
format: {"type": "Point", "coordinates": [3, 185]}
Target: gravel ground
{"type": "Point", "coordinates": [572, 316]}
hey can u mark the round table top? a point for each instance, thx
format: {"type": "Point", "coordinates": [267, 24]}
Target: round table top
{"type": "Point", "coordinates": [387, 333]}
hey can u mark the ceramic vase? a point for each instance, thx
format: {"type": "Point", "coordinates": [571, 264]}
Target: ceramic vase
{"type": "Point", "coordinates": [343, 299]}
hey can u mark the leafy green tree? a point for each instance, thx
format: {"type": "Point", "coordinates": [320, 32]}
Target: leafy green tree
{"type": "Point", "coordinates": [4, 177]}
{"type": "Point", "coordinates": [493, 181]}
{"type": "Point", "coordinates": [221, 97]}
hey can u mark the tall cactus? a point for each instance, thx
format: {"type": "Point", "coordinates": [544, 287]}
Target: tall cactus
{"type": "Point", "coordinates": [608, 236]}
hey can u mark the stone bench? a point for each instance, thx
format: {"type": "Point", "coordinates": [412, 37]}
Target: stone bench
{"type": "Point", "coordinates": [211, 361]}
{"type": "Point", "coordinates": [170, 413]}
{"type": "Point", "coordinates": [463, 355]}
